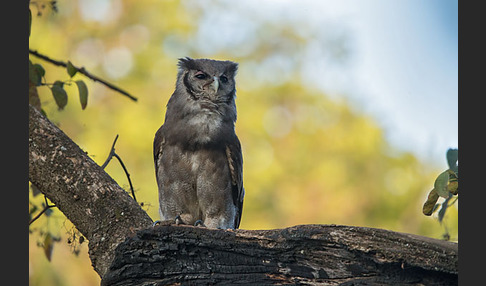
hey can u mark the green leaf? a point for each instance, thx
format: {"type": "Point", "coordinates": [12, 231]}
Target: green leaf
{"type": "Point", "coordinates": [83, 93]}
{"type": "Point", "coordinates": [71, 70]}
{"type": "Point", "coordinates": [36, 72]}
{"type": "Point", "coordinates": [59, 83]}
{"type": "Point", "coordinates": [40, 70]}
{"type": "Point", "coordinates": [60, 95]}
{"type": "Point", "coordinates": [452, 157]}
{"type": "Point", "coordinates": [440, 184]}
{"type": "Point", "coordinates": [33, 75]}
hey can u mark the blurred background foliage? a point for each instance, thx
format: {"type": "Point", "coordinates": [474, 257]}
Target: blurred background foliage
{"type": "Point", "coordinates": [309, 158]}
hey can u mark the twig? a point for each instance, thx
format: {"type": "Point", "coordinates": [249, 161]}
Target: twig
{"type": "Point", "coordinates": [128, 175]}
{"type": "Point", "coordinates": [83, 71]}
{"type": "Point", "coordinates": [42, 211]}
{"type": "Point", "coordinates": [110, 155]}
{"type": "Point", "coordinates": [114, 154]}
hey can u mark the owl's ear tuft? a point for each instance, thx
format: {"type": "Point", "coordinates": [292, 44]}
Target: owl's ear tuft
{"type": "Point", "coordinates": [232, 68]}
{"type": "Point", "coordinates": [187, 63]}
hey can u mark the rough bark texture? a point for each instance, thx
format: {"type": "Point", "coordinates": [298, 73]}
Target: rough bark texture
{"type": "Point", "coordinates": [99, 208]}
{"type": "Point", "coordinates": [305, 254]}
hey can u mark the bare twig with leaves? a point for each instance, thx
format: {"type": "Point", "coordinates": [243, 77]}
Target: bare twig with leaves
{"type": "Point", "coordinates": [72, 70]}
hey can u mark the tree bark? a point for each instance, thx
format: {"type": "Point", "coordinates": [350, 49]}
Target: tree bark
{"type": "Point", "coordinates": [99, 208]}
{"type": "Point", "coordinates": [304, 254]}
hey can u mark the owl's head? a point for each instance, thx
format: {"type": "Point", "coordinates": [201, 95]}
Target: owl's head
{"type": "Point", "coordinates": [206, 79]}
{"type": "Point", "coordinates": [202, 108]}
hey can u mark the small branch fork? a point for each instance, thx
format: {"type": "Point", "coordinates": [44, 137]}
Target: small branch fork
{"type": "Point", "coordinates": [48, 206]}
{"type": "Point", "coordinates": [110, 156]}
{"type": "Point", "coordinates": [113, 154]}
{"type": "Point", "coordinates": [83, 71]}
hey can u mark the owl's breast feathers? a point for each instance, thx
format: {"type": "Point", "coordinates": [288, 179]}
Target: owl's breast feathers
{"type": "Point", "coordinates": [231, 149]}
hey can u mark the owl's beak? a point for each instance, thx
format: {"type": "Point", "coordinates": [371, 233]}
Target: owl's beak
{"type": "Point", "coordinates": [215, 84]}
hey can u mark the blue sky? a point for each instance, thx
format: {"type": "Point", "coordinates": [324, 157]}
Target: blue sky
{"type": "Point", "coordinates": [407, 68]}
{"type": "Point", "coordinates": [403, 66]}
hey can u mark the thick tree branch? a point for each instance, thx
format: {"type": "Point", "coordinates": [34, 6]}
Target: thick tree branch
{"type": "Point", "coordinates": [299, 255]}
{"type": "Point", "coordinates": [99, 208]}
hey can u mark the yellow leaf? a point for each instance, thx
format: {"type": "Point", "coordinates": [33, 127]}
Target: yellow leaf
{"type": "Point", "coordinates": [428, 208]}
{"type": "Point", "coordinates": [48, 246]}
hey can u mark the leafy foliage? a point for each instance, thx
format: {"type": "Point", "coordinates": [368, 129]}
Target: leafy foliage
{"type": "Point", "coordinates": [446, 186]}
{"type": "Point", "coordinates": [37, 73]}
{"type": "Point", "coordinates": [37, 78]}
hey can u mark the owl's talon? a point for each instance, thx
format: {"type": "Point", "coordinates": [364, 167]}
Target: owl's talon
{"type": "Point", "coordinates": [199, 223]}
{"type": "Point", "coordinates": [178, 220]}
{"type": "Point", "coordinates": [157, 222]}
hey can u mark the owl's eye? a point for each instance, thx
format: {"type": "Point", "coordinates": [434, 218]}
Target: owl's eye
{"type": "Point", "coordinates": [223, 79]}
{"type": "Point", "coordinates": [200, 75]}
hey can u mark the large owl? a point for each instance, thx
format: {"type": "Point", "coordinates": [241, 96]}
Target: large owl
{"type": "Point", "coordinates": [198, 160]}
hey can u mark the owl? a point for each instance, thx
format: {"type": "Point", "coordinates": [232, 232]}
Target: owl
{"type": "Point", "coordinates": [198, 159]}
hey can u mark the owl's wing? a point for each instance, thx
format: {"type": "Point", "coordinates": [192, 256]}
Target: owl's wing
{"type": "Point", "coordinates": [235, 162]}
{"type": "Point", "coordinates": [159, 142]}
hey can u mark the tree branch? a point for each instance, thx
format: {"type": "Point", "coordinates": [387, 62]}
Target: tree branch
{"type": "Point", "coordinates": [99, 208]}
{"type": "Point", "coordinates": [299, 255]}
{"type": "Point", "coordinates": [83, 71]}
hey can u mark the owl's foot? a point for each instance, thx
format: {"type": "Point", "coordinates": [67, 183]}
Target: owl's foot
{"type": "Point", "coordinates": [199, 223]}
{"type": "Point", "coordinates": [178, 220]}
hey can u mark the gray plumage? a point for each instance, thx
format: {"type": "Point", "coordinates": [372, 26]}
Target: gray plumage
{"type": "Point", "coordinates": [198, 160]}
